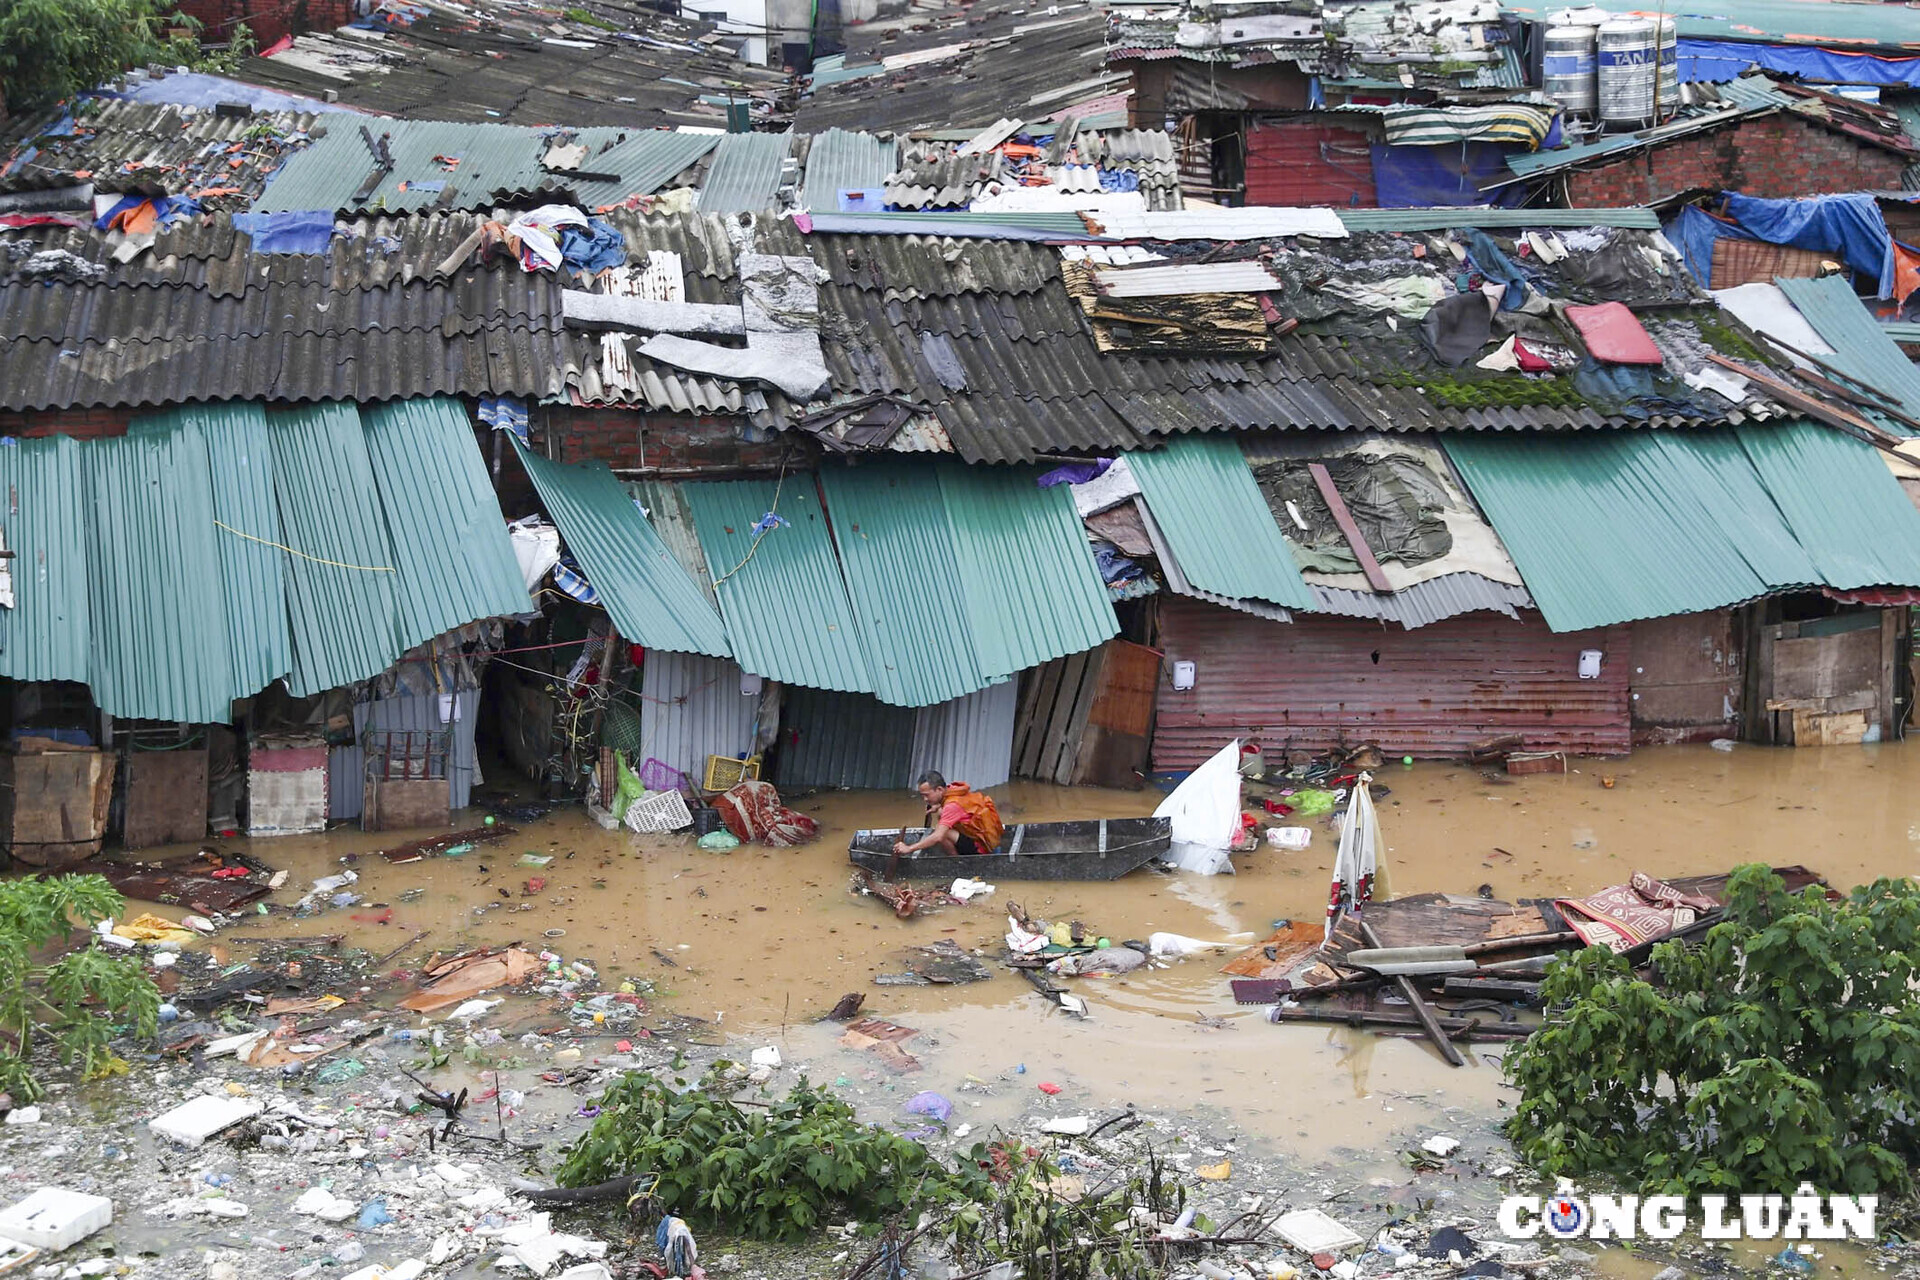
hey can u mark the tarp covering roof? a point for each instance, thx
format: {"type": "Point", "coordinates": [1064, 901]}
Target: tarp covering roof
{"type": "Point", "coordinates": [1611, 528]}
{"type": "Point", "coordinates": [1203, 496]}
{"type": "Point", "coordinates": [210, 551]}
{"type": "Point", "coordinates": [645, 590]}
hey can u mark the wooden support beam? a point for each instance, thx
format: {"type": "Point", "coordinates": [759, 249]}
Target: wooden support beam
{"type": "Point", "coordinates": [1408, 992]}
{"type": "Point", "coordinates": [1794, 398]}
{"type": "Point", "coordinates": [1344, 518]}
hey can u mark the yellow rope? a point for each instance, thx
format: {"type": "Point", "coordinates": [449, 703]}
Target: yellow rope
{"type": "Point", "coordinates": [366, 568]}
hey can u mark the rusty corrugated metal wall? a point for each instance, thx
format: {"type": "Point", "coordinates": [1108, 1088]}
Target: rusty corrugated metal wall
{"type": "Point", "coordinates": [1323, 681]}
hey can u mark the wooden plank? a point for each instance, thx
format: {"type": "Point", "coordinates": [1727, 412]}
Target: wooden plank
{"type": "Point", "coordinates": [1045, 690]}
{"type": "Point", "coordinates": [1057, 755]}
{"type": "Point", "coordinates": [1129, 679]}
{"type": "Point", "coordinates": [1344, 518]}
{"type": "Point", "coordinates": [1826, 666]}
{"type": "Point", "coordinates": [1421, 1009]}
{"type": "Point", "coordinates": [166, 798]}
{"type": "Point", "coordinates": [1794, 398]}
{"type": "Point", "coordinates": [1023, 715]}
{"type": "Point", "coordinates": [1885, 708]}
{"type": "Point", "coordinates": [1076, 737]}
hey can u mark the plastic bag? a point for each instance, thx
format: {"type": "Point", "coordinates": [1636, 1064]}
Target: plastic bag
{"type": "Point", "coordinates": [719, 841]}
{"type": "Point", "coordinates": [627, 790]}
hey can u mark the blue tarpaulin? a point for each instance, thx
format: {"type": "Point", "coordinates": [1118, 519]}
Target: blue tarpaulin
{"type": "Point", "coordinates": [1449, 176]}
{"type": "Point", "coordinates": [592, 248]}
{"type": "Point", "coordinates": [1718, 61]}
{"type": "Point", "coordinates": [303, 231]}
{"type": "Point", "coordinates": [1850, 227]}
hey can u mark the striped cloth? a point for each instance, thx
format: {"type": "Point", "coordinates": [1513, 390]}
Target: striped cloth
{"type": "Point", "coordinates": [1509, 123]}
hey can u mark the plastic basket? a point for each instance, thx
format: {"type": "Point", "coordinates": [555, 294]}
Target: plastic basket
{"type": "Point", "coordinates": [724, 772]}
{"type": "Point", "coordinates": [658, 775]}
{"type": "Point", "coordinates": [653, 814]}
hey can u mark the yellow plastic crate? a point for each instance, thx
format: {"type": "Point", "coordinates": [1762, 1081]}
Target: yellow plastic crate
{"type": "Point", "coordinates": [724, 772]}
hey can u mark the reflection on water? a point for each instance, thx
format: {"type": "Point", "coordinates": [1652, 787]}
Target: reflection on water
{"type": "Point", "coordinates": [767, 940]}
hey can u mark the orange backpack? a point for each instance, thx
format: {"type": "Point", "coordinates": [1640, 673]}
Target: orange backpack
{"type": "Point", "coordinates": [983, 817]}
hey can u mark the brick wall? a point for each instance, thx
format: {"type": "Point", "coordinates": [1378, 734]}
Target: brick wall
{"type": "Point", "coordinates": [1774, 156]}
{"type": "Point", "coordinates": [82, 424]}
{"type": "Point", "coordinates": [667, 444]}
{"type": "Point", "coordinates": [269, 20]}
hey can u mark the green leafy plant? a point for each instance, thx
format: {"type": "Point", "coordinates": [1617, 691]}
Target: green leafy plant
{"type": "Point", "coordinates": [76, 1001]}
{"type": "Point", "coordinates": [764, 1172]}
{"type": "Point", "coordinates": [53, 49]}
{"type": "Point", "coordinates": [1784, 1047]}
{"type": "Point", "coordinates": [1022, 1212]}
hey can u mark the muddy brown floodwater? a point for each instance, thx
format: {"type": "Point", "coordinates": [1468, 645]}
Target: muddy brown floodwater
{"type": "Point", "coordinates": [763, 941]}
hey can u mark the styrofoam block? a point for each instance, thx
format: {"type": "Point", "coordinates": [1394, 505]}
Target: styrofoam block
{"type": "Point", "coordinates": [193, 1122]}
{"type": "Point", "coordinates": [54, 1218]}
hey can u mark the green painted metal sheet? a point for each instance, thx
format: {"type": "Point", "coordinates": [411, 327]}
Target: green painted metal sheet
{"type": "Point", "coordinates": [1797, 22]}
{"type": "Point", "coordinates": [781, 594]}
{"type": "Point", "coordinates": [1496, 219]}
{"type": "Point", "coordinates": [646, 591]}
{"type": "Point", "coordinates": [340, 569]}
{"type": "Point", "coordinates": [1841, 501]}
{"type": "Point", "coordinates": [745, 173]}
{"type": "Point", "coordinates": [455, 564]}
{"type": "Point", "coordinates": [840, 160]}
{"type": "Point", "coordinates": [894, 547]}
{"type": "Point", "coordinates": [160, 651]}
{"type": "Point", "coordinates": [1862, 348]}
{"type": "Point", "coordinates": [1029, 589]}
{"type": "Point", "coordinates": [1203, 496]}
{"type": "Point", "coordinates": [646, 162]}
{"type": "Point", "coordinates": [1612, 527]}
{"type": "Point", "coordinates": [252, 571]}
{"type": "Point", "coordinates": [47, 633]}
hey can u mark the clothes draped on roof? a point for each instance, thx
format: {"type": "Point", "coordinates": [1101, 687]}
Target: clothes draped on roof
{"type": "Point", "coordinates": [1507, 123]}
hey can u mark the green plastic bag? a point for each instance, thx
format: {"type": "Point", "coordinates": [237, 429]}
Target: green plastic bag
{"type": "Point", "coordinates": [1309, 801]}
{"type": "Point", "coordinates": [719, 841]}
{"type": "Point", "coordinates": [628, 789]}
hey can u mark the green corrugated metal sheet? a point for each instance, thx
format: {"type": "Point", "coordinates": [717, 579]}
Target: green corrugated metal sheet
{"type": "Point", "coordinates": [340, 572]}
{"type": "Point", "coordinates": [846, 740]}
{"type": "Point", "coordinates": [1902, 330]}
{"type": "Point", "coordinates": [1861, 346]}
{"type": "Point", "coordinates": [666, 510]}
{"type": "Point", "coordinates": [1496, 219]}
{"type": "Point", "coordinates": [1613, 527]}
{"type": "Point", "coordinates": [1842, 503]}
{"type": "Point", "coordinates": [1203, 496]}
{"type": "Point", "coordinates": [646, 161]}
{"type": "Point", "coordinates": [1030, 591]}
{"type": "Point", "coordinates": [887, 525]}
{"type": "Point", "coordinates": [782, 596]}
{"type": "Point", "coordinates": [455, 564]}
{"type": "Point", "coordinates": [745, 173]}
{"type": "Point", "coordinates": [154, 576]}
{"type": "Point", "coordinates": [840, 161]}
{"type": "Point", "coordinates": [252, 573]}
{"type": "Point", "coordinates": [43, 487]}
{"type": "Point", "coordinates": [1796, 22]}
{"type": "Point", "coordinates": [645, 590]}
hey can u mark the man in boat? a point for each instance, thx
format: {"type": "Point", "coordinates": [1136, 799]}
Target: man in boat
{"type": "Point", "coordinates": [960, 820]}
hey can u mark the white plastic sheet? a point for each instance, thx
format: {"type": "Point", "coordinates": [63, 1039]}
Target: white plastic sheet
{"type": "Point", "coordinates": [1206, 814]}
{"type": "Point", "coordinates": [1354, 865]}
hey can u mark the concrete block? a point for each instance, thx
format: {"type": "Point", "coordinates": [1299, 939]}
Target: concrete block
{"type": "Point", "coordinates": [193, 1122]}
{"type": "Point", "coordinates": [53, 1218]}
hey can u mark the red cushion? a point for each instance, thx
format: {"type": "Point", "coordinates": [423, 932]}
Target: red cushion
{"type": "Point", "coordinates": [1613, 333]}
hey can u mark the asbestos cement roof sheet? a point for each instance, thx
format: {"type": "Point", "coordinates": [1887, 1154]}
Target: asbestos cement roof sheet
{"type": "Point", "coordinates": [745, 174]}
{"type": "Point", "coordinates": [781, 593]}
{"type": "Point", "coordinates": [1030, 588]}
{"type": "Point", "coordinates": [647, 592]}
{"type": "Point", "coordinates": [1203, 496]}
{"type": "Point", "coordinates": [1862, 348]}
{"type": "Point", "coordinates": [840, 160]}
{"type": "Point", "coordinates": [151, 147]}
{"type": "Point", "coordinates": [885, 521]}
{"type": "Point", "coordinates": [341, 589]}
{"type": "Point", "coordinates": [46, 635]}
{"type": "Point", "coordinates": [1692, 520]}
{"type": "Point", "coordinates": [454, 562]}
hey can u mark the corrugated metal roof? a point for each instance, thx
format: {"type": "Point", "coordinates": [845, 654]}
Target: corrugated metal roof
{"type": "Point", "coordinates": [1861, 346]}
{"type": "Point", "coordinates": [646, 591]}
{"type": "Point", "coordinates": [1029, 587]}
{"type": "Point", "coordinates": [846, 740]}
{"type": "Point", "coordinates": [1843, 505]}
{"type": "Point", "coordinates": [781, 594]}
{"type": "Point", "coordinates": [843, 161]}
{"type": "Point", "coordinates": [646, 162]}
{"type": "Point", "coordinates": [666, 510]}
{"type": "Point", "coordinates": [253, 574]}
{"type": "Point", "coordinates": [1791, 22]}
{"type": "Point", "coordinates": [1221, 224]}
{"type": "Point", "coordinates": [1446, 596]}
{"type": "Point", "coordinates": [1495, 219]}
{"type": "Point", "coordinates": [970, 739]}
{"type": "Point", "coordinates": [455, 564]}
{"type": "Point", "coordinates": [1690, 520]}
{"type": "Point", "coordinates": [745, 173]}
{"type": "Point", "coordinates": [691, 708]}
{"type": "Point", "coordinates": [1203, 495]}
{"type": "Point", "coordinates": [138, 146]}
{"type": "Point", "coordinates": [919, 649]}
{"type": "Point", "coordinates": [340, 572]}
